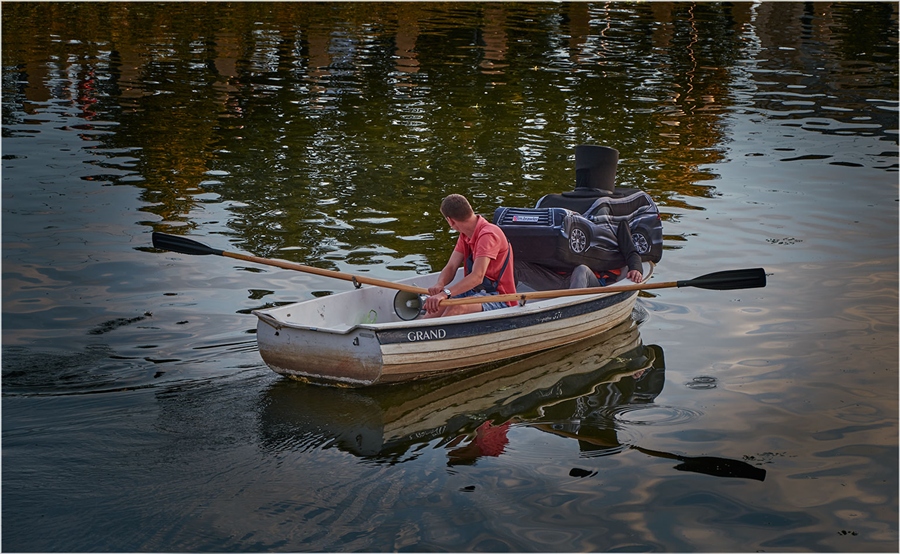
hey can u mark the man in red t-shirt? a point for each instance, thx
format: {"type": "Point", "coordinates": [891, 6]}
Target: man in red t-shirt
{"type": "Point", "coordinates": [488, 260]}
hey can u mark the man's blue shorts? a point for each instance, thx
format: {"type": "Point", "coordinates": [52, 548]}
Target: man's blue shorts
{"type": "Point", "coordinates": [487, 306]}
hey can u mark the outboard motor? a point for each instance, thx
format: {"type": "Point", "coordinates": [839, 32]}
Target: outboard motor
{"type": "Point", "coordinates": [579, 227]}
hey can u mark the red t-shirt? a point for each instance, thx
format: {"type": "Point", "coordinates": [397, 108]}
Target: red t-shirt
{"type": "Point", "coordinates": [488, 240]}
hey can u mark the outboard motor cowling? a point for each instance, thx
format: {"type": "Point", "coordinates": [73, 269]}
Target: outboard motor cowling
{"type": "Point", "coordinates": [595, 169]}
{"type": "Point", "coordinates": [595, 177]}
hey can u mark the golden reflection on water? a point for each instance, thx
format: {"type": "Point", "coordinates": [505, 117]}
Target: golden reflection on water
{"type": "Point", "coordinates": [302, 104]}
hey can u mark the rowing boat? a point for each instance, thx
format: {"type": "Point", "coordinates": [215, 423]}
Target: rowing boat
{"type": "Point", "coordinates": [358, 338]}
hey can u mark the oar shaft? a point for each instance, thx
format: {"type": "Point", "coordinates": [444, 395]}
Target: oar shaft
{"type": "Point", "coordinates": [538, 295]}
{"type": "Point", "coordinates": [184, 245]}
{"type": "Point", "coordinates": [720, 280]}
{"type": "Point", "coordinates": [325, 272]}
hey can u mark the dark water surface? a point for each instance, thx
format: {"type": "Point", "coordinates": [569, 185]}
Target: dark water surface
{"type": "Point", "coordinates": [138, 416]}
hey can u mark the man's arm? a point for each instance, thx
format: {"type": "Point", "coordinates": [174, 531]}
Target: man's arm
{"type": "Point", "coordinates": [470, 281]}
{"type": "Point", "coordinates": [448, 273]}
{"type": "Point", "coordinates": [628, 250]}
{"type": "Point", "coordinates": [475, 277]}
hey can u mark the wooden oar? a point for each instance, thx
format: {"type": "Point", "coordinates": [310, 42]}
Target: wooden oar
{"type": "Point", "coordinates": [184, 245]}
{"type": "Point", "coordinates": [720, 280]}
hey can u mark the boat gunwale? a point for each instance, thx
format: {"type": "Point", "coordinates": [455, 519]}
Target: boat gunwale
{"type": "Point", "coordinates": [530, 307]}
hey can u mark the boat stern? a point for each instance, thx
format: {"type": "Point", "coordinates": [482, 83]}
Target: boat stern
{"type": "Point", "coordinates": [352, 358]}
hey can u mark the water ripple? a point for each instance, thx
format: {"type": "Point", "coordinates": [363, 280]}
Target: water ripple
{"type": "Point", "coordinates": [651, 414]}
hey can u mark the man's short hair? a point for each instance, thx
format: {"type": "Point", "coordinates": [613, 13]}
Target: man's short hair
{"type": "Point", "coordinates": [457, 207]}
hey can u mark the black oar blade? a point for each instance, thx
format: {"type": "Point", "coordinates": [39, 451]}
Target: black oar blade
{"type": "Point", "coordinates": [721, 467]}
{"type": "Point", "coordinates": [729, 280]}
{"type": "Point", "coordinates": [182, 245]}
{"type": "Point", "coordinates": [717, 467]}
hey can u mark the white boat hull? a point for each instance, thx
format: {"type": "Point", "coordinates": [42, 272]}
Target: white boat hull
{"type": "Point", "coordinates": [354, 338]}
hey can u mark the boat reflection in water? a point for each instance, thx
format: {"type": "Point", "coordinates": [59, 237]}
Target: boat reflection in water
{"type": "Point", "coordinates": [571, 391]}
